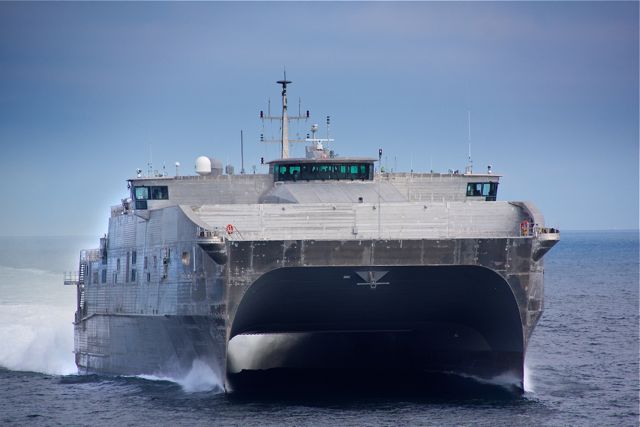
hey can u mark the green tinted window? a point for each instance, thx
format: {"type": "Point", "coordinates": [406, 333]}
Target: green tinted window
{"type": "Point", "coordinates": [141, 193]}
{"type": "Point", "coordinates": [321, 171]}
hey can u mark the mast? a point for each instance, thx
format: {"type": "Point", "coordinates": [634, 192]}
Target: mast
{"type": "Point", "coordinates": [241, 153]}
{"type": "Point", "coordinates": [469, 168]}
{"type": "Point", "coordinates": [285, 118]}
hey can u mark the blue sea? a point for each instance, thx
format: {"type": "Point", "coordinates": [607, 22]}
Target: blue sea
{"type": "Point", "coordinates": [581, 369]}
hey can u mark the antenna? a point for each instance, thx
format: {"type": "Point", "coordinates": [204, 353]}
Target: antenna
{"type": "Point", "coordinates": [150, 163]}
{"type": "Point", "coordinates": [316, 149]}
{"type": "Point", "coordinates": [241, 153]}
{"type": "Point", "coordinates": [285, 118]}
{"type": "Point", "coordinates": [469, 168]}
{"type": "Point", "coordinates": [328, 125]}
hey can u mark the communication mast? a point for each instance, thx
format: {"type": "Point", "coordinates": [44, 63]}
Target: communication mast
{"type": "Point", "coordinates": [284, 120]}
{"type": "Point", "coordinates": [469, 168]}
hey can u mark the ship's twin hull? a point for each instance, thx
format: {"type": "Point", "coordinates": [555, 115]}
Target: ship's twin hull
{"type": "Point", "coordinates": [350, 321]}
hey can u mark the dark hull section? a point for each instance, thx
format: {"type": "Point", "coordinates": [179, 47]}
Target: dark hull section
{"type": "Point", "coordinates": [385, 321]}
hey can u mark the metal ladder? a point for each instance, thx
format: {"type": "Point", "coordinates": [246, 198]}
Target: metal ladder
{"type": "Point", "coordinates": [81, 281]}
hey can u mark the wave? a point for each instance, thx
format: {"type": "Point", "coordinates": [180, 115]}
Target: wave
{"type": "Point", "coordinates": [200, 378]}
{"type": "Point", "coordinates": [37, 338]}
{"type": "Point", "coordinates": [507, 381]}
{"type": "Point", "coordinates": [528, 379]}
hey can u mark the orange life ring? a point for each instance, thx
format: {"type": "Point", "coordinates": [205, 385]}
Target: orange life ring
{"type": "Point", "coordinates": [524, 227]}
{"type": "Point", "coordinates": [229, 228]}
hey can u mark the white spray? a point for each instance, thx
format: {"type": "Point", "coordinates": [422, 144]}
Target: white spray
{"type": "Point", "coordinates": [200, 378]}
{"type": "Point", "coordinates": [36, 314]}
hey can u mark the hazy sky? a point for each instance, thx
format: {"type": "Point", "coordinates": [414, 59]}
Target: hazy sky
{"type": "Point", "coordinates": [90, 91]}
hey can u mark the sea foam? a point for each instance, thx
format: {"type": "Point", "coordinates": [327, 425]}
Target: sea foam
{"type": "Point", "coordinates": [200, 378]}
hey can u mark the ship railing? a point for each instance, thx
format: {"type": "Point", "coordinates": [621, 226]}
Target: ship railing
{"type": "Point", "coordinates": [218, 234]}
{"type": "Point", "coordinates": [124, 208]}
{"type": "Point", "coordinates": [204, 233]}
{"type": "Point", "coordinates": [117, 210]}
{"type": "Point", "coordinates": [71, 278]}
{"type": "Point", "coordinates": [547, 230]}
{"type": "Point", "coordinates": [207, 234]}
{"type": "Point", "coordinates": [534, 230]}
{"type": "Point", "coordinates": [88, 255]}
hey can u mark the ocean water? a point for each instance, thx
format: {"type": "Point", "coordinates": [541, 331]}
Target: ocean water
{"type": "Point", "coordinates": [581, 368]}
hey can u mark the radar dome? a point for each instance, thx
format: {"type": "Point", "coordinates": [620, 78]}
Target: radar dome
{"type": "Point", "coordinates": [203, 165]}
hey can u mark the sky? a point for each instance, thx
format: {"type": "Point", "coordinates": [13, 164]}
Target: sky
{"type": "Point", "coordinates": [91, 91]}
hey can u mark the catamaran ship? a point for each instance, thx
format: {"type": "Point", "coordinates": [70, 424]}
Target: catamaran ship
{"type": "Point", "coordinates": [324, 265]}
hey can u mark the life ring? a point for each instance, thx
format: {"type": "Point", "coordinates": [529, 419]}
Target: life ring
{"type": "Point", "coordinates": [524, 227]}
{"type": "Point", "coordinates": [229, 228]}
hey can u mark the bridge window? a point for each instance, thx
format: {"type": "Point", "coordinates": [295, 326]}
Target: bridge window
{"type": "Point", "coordinates": [323, 172]}
{"type": "Point", "coordinates": [160, 192]}
{"type": "Point", "coordinates": [488, 190]}
{"type": "Point", "coordinates": [142, 193]}
{"type": "Point", "coordinates": [156, 192]}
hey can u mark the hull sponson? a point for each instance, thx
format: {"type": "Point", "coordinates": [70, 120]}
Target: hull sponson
{"type": "Point", "coordinates": [153, 345]}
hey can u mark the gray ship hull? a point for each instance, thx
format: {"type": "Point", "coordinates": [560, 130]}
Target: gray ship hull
{"type": "Point", "coordinates": [304, 309]}
{"type": "Point", "coordinates": [165, 346]}
{"type": "Point", "coordinates": [463, 306]}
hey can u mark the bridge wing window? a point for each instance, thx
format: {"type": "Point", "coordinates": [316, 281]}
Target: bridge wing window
{"type": "Point", "coordinates": [160, 192]}
{"type": "Point", "coordinates": [141, 193]}
{"type": "Point", "coordinates": [474, 189]}
{"type": "Point", "coordinates": [488, 190]}
{"type": "Point", "coordinates": [157, 192]}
